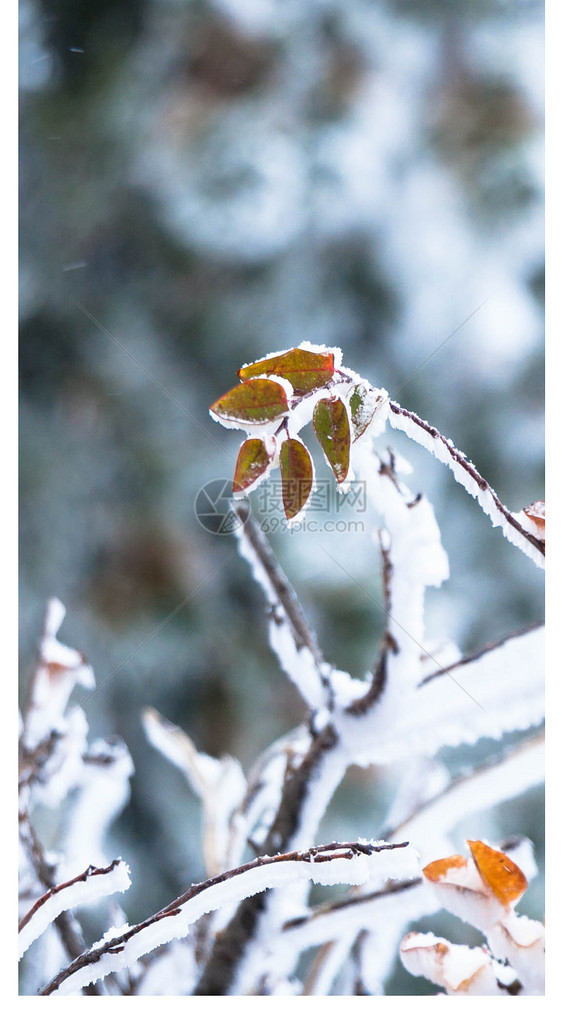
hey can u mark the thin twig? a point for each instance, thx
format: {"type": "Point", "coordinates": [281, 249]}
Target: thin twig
{"type": "Point", "coordinates": [314, 856]}
{"type": "Point", "coordinates": [230, 945]}
{"type": "Point", "coordinates": [92, 871]}
{"type": "Point", "coordinates": [456, 458]}
{"type": "Point", "coordinates": [302, 633]}
{"type": "Point", "coordinates": [68, 928]}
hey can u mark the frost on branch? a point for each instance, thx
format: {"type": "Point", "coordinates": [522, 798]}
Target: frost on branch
{"type": "Point", "coordinates": [353, 863]}
{"type": "Point", "coordinates": [59, 670]}
{"type": "Point", "coordinates": [87, 785]}
{"type": "Point", "coordinates": [220, 785]}
{"type": "Point", "coordinates": [253, 927]}
{"type": "Point", "coordinates": [515, 528]}
{"type": "Point", "coordinates": [89, 886]}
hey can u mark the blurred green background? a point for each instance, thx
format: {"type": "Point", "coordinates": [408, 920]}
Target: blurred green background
{"type": "Point", "coordinates": [207, 181]}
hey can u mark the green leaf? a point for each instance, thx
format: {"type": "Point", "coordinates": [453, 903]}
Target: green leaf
{"type": "Point", "coordinates": [296, 476]}
{"type": "Point", "coordinates": [306, 371]}
{"type": "Point", "coordinates": [253, 461]}
{"type": "Point", "coordinates": [256, 401]}
{"type": "Point", "coordinates": [330, 422]}
{"type": "Point", "coordinates": [363, 404]}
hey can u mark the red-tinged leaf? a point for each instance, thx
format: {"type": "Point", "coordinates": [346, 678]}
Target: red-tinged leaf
{"type": "Point", "coordinates": [252, 462]}
{"type": "Point", "coordinates": [306, 371]}
{"type": "Point", "coordinates": [296, 476]}
{"type": "Point", "coordinates": [439, 868]}
{"type": "Point", "coordinates": [330, 422]}
{"type": "Point", "coordinates": [499, 872]}
{"type": "Point", "coordinates": [255, 402]}
{"type": "Point", "coordinates": [363, 404]}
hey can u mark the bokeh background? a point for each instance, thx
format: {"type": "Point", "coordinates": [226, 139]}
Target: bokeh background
{"type": "Point", "coordinates": [207, 181]}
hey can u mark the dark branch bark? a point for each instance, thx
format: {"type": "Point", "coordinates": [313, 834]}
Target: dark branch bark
{"type": "Point", "coordinates": [452, 786]}
{"type": "Point", "coordinates": [467, 659]}
{"type": "Point", "coordinates": [67, 926]}
{"type": "Point", "coordinates": [317, 854]}
{"type": "Point", "coordinates": [92, 871]}
{"type": "Point", "coordinates": [229, 947]}
{"type": "Point", "coordinates": [302, 634]}
{"type": "Point", "coordinates": [352, 901]}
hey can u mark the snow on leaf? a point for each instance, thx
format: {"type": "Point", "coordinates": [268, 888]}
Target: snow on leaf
{"type": "Point", "coordinates": [533, 518]}
{"type": "Point", "coordinates": [460, 970]}
{"type": "Point", "coordinates": [306, 371]}
{"type": "Point", "coordinates": [436, 870]}
{"type": "Point", "coordinates": [363, 404]}
{"type": "Point", "coordinates": [252, 465]}
{"type": "Point", "coordinates": [254, 402]}
{"type": "Point", "coordinates": [521, 941]}
{"type": "Point", "coordinates": [331, 426]}
{"type": "Point", "coordinates": [499, 872]}
{"type": "Point", "coordinates": [477, 897]}
{"type": "Point", "coordinates": [297, 476]}
{"type": "Point", "coordinates": [536, 511]}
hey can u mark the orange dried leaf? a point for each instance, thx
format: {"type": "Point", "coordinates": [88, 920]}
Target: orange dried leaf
{"type": "Point", "coordinates": [296, 476]}
{"type": "Point", "coordinates": [330, 422]}
{"type": "Point", "coordinates": [535, 512]}
{"type": "Point", "coordinates": [257, 401]}
{"type": "Point", "coordinates": [499, 872]}
{"type": "Point", "coordinates": [306, 371]}
{"type": "Point", "coordinates": [439, 868]}
{"type": "Point", "coordinates": [253, 460]}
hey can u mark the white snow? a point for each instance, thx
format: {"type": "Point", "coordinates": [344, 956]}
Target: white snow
{"type": "Point", "coordinates": [340, 869]}
{"type": "Point", "coordinates": [95, 885]}
{"type": "Point", "coordinates": [60, 669]}
{"type": "Point", "coordinates": [485, 497]}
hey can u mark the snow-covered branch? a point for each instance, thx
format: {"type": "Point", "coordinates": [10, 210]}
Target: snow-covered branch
{"type": "Point", "coordinates": [290, 636]}
{"type": "Point", "coordinates": [420, 696]}
{"type": "Point", "coordinates": [220, 784]}
{"type": "Point", "coordinates": [467, 475]}
{"type": "Point", "coordinates": [92, 884]}
{"type": "Point", "coordinates": [494, 692]}
{"type": "Point", "coordinates": [59, 670]}
{"type": "Point", "coordinates": [348, 863]}
{"type": "Point", "coordinates": [413, 560]}
{"type": "Point", "coordinates": [479, 790]}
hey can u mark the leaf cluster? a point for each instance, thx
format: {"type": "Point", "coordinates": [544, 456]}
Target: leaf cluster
{"type": "Point", "coordinates": [269, 393]}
